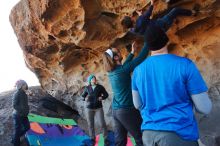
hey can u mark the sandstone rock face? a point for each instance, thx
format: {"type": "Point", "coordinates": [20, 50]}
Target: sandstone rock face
{"type": "Point", "coordinates": [63, 40]}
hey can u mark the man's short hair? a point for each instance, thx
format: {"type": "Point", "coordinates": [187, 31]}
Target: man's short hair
{"type": "Point", "coordinates": [155, 37]}
{"type": "Point", "coordinates": [127, 22]}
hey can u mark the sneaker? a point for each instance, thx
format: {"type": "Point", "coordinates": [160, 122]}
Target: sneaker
{"type": "Point", "coordinates": [106, 142]}
{"type": "Point", "coordinates": [93, 141]}
{"type": "Point", "coordinates": [12, 141]}
{"type": "Point", "coordinates": [166, 1]}
{"type": "Point", "coordinates": [22, 138]}
{"type": "Point", "coordinates": [196, 9]}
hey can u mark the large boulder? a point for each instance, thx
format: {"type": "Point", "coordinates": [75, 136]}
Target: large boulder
{"type": "Point", "coordinates": [62, 42]}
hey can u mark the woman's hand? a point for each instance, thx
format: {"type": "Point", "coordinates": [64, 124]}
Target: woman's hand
{"type": "Point", "coordinates": [134, 47]}
{"type": "Point", "coordinates": [100, 98]}
{"type": "Point", "coordinates": [152, 2]}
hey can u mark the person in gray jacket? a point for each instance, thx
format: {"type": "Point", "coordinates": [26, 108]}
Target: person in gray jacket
{"type": "Point", "coordinates": [20, 112]}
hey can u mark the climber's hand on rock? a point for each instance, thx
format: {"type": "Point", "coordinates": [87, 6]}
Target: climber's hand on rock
{"type": "Point", "coordinates": [134, 47]}
{"type": "Point", "coordinates": [139, 12]}
{"type": "Point", "coordinates": [152, 2]}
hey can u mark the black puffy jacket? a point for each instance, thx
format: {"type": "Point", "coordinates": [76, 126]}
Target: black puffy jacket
{"type": "Point", "coordinates": [93, 101]}
{"type": "Point", "coordinates": [20, 103]}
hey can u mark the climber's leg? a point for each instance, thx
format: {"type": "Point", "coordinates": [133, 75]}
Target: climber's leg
{"type": "Point", "coordinates": [166, 21]}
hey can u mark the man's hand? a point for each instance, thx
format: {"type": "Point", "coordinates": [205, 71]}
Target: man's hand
{"type": "Point", "coordinates": [87, 99]}
{"type": "Point", "coordinates": [152, 2]}
{"type": "Point", "coordinates": [134, 47]}
{"type": "Point", "coordinates": [29, 93]}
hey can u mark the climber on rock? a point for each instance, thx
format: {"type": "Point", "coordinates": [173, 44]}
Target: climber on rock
{"type": "Point", "coordinates": [20, 112]}
{"type": "Point", "coordinates": [165, 89]}
{"type": "Point", "coordinates": [139, 26]}
{"type": "Point", "coordinates": [125, 117]}
{"type": "Point", "coordinates": [93, 94]}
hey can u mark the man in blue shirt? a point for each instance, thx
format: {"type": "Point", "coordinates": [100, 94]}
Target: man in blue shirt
{"type": "Point", "coordinates": [165, 88]}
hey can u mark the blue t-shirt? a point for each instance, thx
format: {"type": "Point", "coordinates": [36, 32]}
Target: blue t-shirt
{"type": "Point", "coordinates": [165, 83]}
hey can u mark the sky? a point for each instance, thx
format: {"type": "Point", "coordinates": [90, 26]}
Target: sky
{"type": "Point", "coordinates": [12, 62]}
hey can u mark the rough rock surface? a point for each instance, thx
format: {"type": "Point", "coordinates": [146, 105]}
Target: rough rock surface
{"type": "Point", "coordinates": [63, 40]}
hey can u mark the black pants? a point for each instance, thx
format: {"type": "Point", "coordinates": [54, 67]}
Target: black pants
{"type": "Point", "coordinates": [21, 126]}
{"type": "Point", "coordinates": [166, 21]}
{"type": "Point", "coordinates": [127, 120]}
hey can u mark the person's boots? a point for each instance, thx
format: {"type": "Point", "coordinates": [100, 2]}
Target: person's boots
{"type": "Point", "coordinates": [176, 3]}
{"type": "Point", "coordinates": [106, 142]}
{"type": "Point", "coordinates": [166, 1]}
{"type": "Point", "coordinates": [93, 141]}
{"type": "Point", "coordinates": [196, 9]}
{"type": "Point", "coordinates": [12, 140]}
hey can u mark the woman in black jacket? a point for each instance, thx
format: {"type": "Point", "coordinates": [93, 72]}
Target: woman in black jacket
{"type": "Point", "coordinates": [20, 112]}
{"type": "Point", "coordinates": [93, 94]}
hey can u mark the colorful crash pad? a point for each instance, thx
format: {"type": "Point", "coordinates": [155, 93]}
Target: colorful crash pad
{"type": "Point", "coordinates": [100, 140]}
{"type": "Point", "coordinates": [47, 131]}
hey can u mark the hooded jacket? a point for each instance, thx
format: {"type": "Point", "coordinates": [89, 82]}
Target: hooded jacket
{"type": "Point", "coordinates": [20, 103]}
